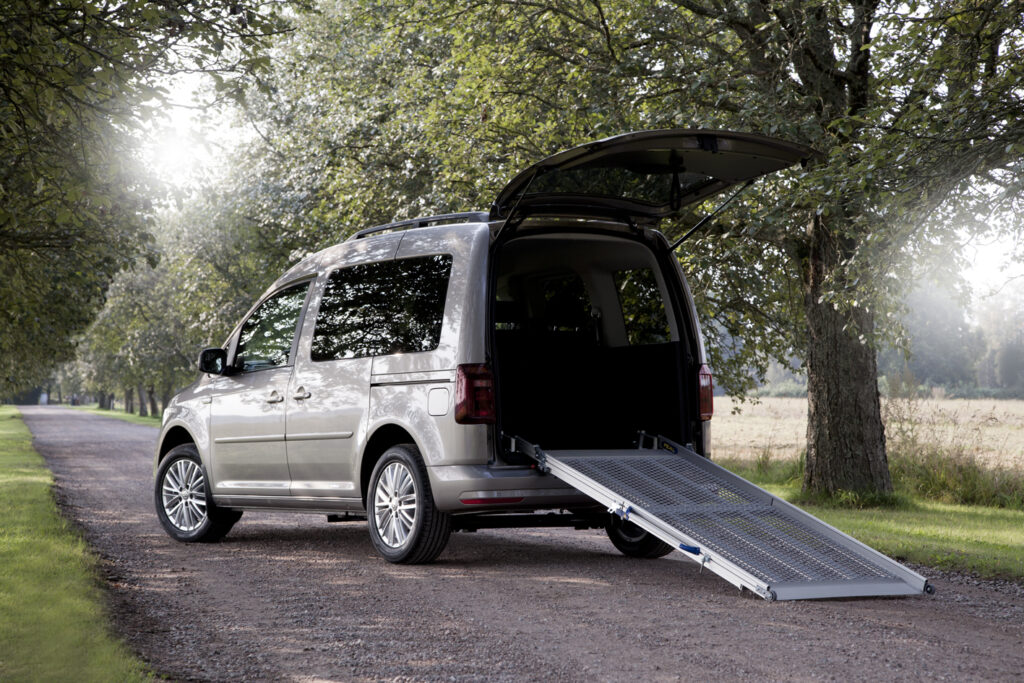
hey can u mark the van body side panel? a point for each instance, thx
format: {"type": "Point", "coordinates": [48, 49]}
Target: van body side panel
{"type": "Point", "coordinates": [440, 439]}
{"type": "Point", "coordinates": [327, 400]}
{"type": "Point", "coordinates": [189, 410]}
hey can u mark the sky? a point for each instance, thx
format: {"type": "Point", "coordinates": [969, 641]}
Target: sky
{"type": "Point", "coordinates": [186, 142]}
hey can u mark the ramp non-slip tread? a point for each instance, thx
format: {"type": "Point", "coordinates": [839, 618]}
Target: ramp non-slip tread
{"type": "Point", "coordinates": [739, 524]}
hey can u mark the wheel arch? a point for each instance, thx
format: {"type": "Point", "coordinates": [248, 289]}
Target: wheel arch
{"type": "Point", "coordinates": [175, 436]}
{"type": "Point", "coordinates": [383, 438]}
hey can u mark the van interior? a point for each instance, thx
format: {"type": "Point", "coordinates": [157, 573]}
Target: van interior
{"type": "Point", "coordinates": [587, 350]}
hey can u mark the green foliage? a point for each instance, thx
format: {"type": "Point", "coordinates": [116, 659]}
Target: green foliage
{"type": "Point", "coordinates": [51, 607]}
{"type": "Point", "coordinates": [382, 111]}
{"type": "Point", "coordinates": [976, 539]}
{"type": "Point", "coordinates": [374, 111]}
{"type": "Point", "coordinates": [79, 79]}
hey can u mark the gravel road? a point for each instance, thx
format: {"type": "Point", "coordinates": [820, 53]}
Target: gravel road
{"type": "Point", "coordinates": [291, 597]}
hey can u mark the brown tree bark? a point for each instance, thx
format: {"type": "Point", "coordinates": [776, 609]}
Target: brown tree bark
{"type": "Point", "coordinates": [845, 435]}
{"type": "Point", "coordinates": [142, 402]}
{"type": "Point", "coordinates": [154, 410]}
{"type": "Point", "coordinates": [129, 400]}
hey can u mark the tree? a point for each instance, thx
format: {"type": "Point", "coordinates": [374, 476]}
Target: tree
{"type": "Point", "coordinates": [76, 81]}
{"type": "Point", "coordinates": [916, 109]}
{"type": "Point", "coordinates": [384, 110]}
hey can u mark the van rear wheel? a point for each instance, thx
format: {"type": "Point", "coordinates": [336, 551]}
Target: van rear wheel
{"type": "Point", "coordinates": [633, 541]}
{"type": "Point", "coordinates": [405, 525]}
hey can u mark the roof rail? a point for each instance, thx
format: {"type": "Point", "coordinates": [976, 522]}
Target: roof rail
{"type": "Point", "coordinates": [424, 221]}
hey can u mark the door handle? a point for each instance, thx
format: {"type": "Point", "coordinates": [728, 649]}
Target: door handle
{"type": "Point", "coordinates": [274, 397]}
{"type": "Point", "coordinates": [301, 394]}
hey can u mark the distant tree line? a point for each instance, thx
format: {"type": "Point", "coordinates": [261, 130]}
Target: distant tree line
{"type": "Point", "coordinates": [949, 348]}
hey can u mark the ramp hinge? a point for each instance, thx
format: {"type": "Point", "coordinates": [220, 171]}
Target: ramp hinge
{"type": "Point", "coordinates": [521, 445]}
{"type": "Point", "coordinates": [622, 511]}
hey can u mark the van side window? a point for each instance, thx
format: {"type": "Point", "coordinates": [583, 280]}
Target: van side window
{"type": "Point", "coordinates": [643, 309]}
{"type": "Point", "coordinates": [373, 309]}
{"type": "Point", "coordinates": [265, 340]}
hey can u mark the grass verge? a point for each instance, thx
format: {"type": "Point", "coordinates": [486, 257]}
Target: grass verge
{"type": "Point", "coordinates": [120, 415]}
{"type": "Point", "coordinates": [53, 625]}
{"type": "Point", "coordinates": [980, 539]}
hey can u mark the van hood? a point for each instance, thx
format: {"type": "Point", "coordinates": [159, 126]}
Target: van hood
{"type": "Point", "coordinates": [643, 176]}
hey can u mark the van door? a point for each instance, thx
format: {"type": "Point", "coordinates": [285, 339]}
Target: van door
{"type": "Point", "coordinates": [366, 311]}
{"type": "Point", "coordinates": [330, 388]}
{"type": "Point", "coordinates": [247, 413]}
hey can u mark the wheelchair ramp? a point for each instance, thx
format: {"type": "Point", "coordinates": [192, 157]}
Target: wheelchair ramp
{"type": "Point", "coordinates": [729, 526]}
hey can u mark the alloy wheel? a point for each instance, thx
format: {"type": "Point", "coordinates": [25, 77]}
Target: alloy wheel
{"type": "Point", "coordinates": [394, 505]}
{"type": "Point", "coordinates": [184, 495]}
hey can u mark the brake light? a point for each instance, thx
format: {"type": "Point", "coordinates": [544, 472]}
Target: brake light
{"type": "Point", "coordinates": [474, 395]}
{"type": "Point", "coordinates": [706, 387]}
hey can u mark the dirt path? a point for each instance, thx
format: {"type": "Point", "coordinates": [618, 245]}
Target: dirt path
{"type": "Point", "coordinates": [292, 597]}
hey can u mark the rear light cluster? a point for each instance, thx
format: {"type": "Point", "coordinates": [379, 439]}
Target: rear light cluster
{"type": "Point", "coordinates": [474, 395]}
{"type": "Point", "coordinates": [706, 385]}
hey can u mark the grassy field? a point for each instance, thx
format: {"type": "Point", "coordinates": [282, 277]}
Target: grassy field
{"type": "Point", "coordinates": [763, 443]}
{"type": "Point", "coordinates": [53, 625]}
{"type": "Point", "coordinates": [995, 429]}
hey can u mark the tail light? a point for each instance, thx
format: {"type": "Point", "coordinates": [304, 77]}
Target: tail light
{"type": "Point", "coordinates": [474, 395]}
{"type": "Point", "coordinates": [706, 385]}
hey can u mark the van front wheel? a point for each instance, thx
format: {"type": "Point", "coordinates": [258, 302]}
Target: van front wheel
{"type": "Point", "coordinates": [405, 525]}
{"type": "Point", "coordinates": [633, 541]}
{"type": "Point", "coordinates": [184, 505]}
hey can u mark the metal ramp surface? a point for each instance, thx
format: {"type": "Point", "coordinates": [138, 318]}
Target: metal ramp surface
{"type": "Point", "coordinates": [728, 525]}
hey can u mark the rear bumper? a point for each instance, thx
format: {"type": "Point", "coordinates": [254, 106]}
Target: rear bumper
{"type": "Point", "coordinates": [510, 488]}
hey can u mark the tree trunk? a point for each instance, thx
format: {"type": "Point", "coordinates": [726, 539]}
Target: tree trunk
{"type": "Point", "coordinates": [153, 409]}
{"type": "Point", "coordinates": [845, 436]}
{"type": "Point", "coordinates": [103, 400]}
{"type": "Point", "coordinates": [129, 400]}
{"type": "Point", "coordinates": [165, 398]}
{"type": "Point", "coordinates": [142, 402]}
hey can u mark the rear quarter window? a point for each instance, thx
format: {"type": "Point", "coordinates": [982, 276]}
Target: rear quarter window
{"type": "Point", "coordinates": [643, 308]}
{"type": "Point", "coordinates": [375, 309]}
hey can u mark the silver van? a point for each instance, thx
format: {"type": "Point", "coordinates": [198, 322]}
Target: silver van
{"type": "Point", "coordinates": [393, 376]}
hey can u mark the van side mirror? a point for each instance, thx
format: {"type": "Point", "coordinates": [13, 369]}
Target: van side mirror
{"type": "Point", "coordinates": [213, 361]}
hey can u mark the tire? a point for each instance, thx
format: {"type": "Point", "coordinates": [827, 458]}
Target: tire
{"type": "Point", "coordinates": [405, 525]}
{"type": "Point", "coordinates": [633, 541]}
{"type": "Point", "coordinates": [184, 505]}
